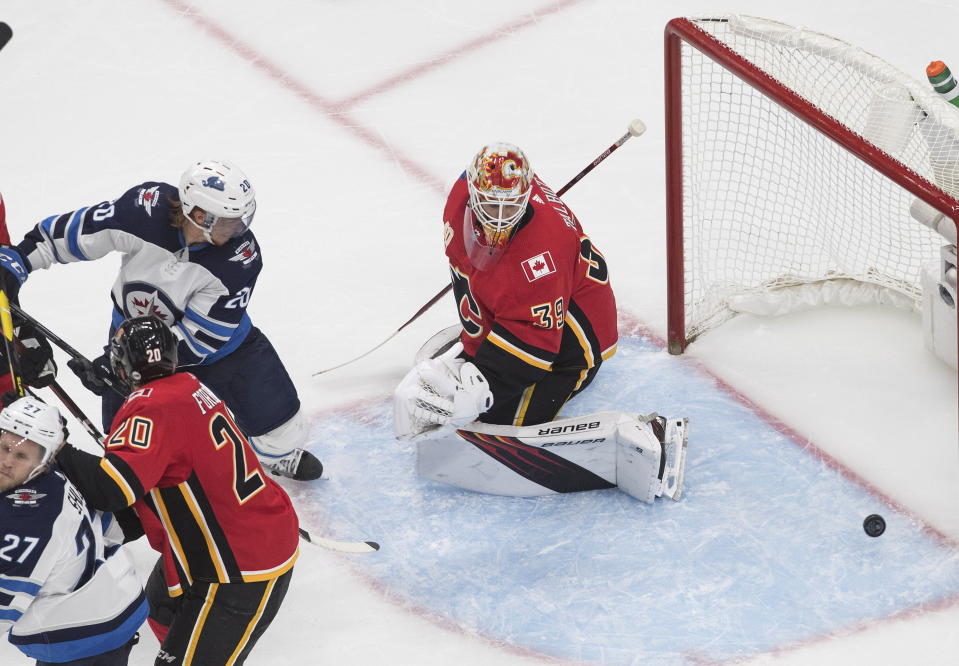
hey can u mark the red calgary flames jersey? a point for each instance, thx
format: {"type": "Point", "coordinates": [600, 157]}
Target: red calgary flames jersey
{"type": "Point", "coordinates": [549, 276]}
{"type": "Point", "coordinates": [204, 500]}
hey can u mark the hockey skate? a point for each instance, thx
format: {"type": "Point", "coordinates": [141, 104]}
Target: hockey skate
{"type": "Point", "coordinates": [298, 464]}
{"type": "Point", "coordinates": [672, 435]}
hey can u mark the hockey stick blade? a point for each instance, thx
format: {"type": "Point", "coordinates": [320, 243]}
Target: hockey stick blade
{"type": "Point", "coordinates": [340, 546]}
{"type": "Point", "coordinates": [5, 34]}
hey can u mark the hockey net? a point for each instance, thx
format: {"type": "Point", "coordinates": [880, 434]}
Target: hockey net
{"type": "Point", "coordinates": [792, 161]}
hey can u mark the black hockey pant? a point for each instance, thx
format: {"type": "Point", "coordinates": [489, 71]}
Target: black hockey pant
{"type": "Point", "coordinates": [213, 624]}
{"type": "Point", "coordinates": [541, 401]}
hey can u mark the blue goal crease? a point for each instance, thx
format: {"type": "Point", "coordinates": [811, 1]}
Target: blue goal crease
{"type": "Point", "coordinates": [765, 550]}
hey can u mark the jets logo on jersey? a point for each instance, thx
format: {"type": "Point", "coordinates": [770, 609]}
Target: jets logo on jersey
{"type": "Point", "coordinates": [149, 198]}
{"type": "Point", "coordinates": [539, 266]}
{"type": "Point", "coordinates": [214, 182]}
{"type": "Point", "coordinates": [140, 298]}
{"type": "Point", "coordinates": [26, 497]}
{"type": "Point", "coordinates": [245, 252]}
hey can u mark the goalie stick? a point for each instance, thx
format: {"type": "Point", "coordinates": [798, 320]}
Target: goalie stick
{"type": "Point", "coordinates": [635, 128]}
{"type": "Point", "coordinates": [5, 34]}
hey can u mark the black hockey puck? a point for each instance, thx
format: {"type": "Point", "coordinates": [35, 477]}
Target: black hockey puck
{"type": "Point", "coordinates": [5, 34]}
{"type": "Point", "coordinates": [874, 525]}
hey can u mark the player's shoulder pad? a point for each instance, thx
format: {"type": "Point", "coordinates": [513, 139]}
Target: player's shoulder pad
{"type": "Point", "coordinates": [143, 211]}
{"type": "Point", "coordinates": [38, 498]}
{"type": "Point", "coordinates": [149, 201]}
{"type": "Point", "coordinates": [235, 264]}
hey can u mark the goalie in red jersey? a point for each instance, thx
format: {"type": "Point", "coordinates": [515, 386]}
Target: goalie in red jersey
{"type": "Point", "coordinates": [532, 291]}
{"type": "Point", "coordinates": [538, 319]}
{"type": "Point", "coordinates": [226, 532]}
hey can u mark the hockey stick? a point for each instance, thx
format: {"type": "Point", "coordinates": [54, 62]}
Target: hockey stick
{"type": "Point", "coordinates": [340, 546]}
{"type": "Point", "coordinates": [9, 345]}
{"type": "Point", "coordinates": [61, 343]}
{"type": "Point", "coordinates": [5, 34]}
{"type": "Point", "coordinates": [74, 409]}
{"type": "Point", "coordinates": [635, 128]}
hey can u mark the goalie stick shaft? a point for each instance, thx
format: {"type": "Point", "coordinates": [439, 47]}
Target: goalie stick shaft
{"type": "Point", "coordinates": [636, 128]}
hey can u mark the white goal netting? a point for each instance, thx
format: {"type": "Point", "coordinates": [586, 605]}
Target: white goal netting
{"type": "Point", "coordinates": [769, 202]}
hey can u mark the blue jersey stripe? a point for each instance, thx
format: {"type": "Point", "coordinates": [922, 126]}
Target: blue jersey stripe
{"type": "Point", "coordinates": [242, 330]}
{"type": "Point", "coordinates": [47, 226]}
{"type": "Point", "coordinates": [10, 614]}
{"type": "Point", "coordinates": [20, 586]}
{"type": "Point", "coordinates": [222, 330]}
{"type": "Point", "coordinates": [73, 234]}
{"type": "Point", "coordinates": [57, 646]}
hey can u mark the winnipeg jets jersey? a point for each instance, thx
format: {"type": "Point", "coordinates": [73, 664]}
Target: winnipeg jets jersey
{"type": "Point", "coordinates": [200, 291]}
{"type": "Point", "coordinates": [67, 590]}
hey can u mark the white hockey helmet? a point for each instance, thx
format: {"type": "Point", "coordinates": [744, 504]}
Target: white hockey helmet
{"type": "Point", "coordinates": [31, 418]}
{"type": "Point", "coordinates": [222, 191]}
{"type": "Point", "coordinates": [500, 181]}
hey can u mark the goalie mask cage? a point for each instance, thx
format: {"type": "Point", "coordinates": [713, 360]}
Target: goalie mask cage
{"type": "Point", "coordinates": [792, 159]}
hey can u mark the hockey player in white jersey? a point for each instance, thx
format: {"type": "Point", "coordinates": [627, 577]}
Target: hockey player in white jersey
{"type": "Point", "coordinates": [68, 593]}
{"type": "Point", "coordinates": [189, 258]}
{"type": "Point", "coordinates": [436, 406]}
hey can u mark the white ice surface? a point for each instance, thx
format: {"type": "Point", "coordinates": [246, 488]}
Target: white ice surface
{"type": "Point", "coordinates": [350, 161]}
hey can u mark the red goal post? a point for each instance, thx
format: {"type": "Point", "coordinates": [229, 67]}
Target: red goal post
{"type": "Point", "coordinates": [771, 181]}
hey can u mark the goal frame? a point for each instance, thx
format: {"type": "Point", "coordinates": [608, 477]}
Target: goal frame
{"type": "Point", "coordinates": [683, 30]}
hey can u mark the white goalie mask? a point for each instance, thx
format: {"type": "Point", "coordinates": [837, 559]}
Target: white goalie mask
{"type": "Point", "coordinates": [223, 192]}
{"type": "Point", "coordinates": [30, 418]}
{"type": "Point", "coordinates": [500, 181]}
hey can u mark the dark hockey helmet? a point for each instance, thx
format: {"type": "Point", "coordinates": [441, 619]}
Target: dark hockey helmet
{"type": "Point", "coordinates": [143, 349]}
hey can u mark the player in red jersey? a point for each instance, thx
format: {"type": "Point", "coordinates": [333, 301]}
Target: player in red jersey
{"type": "Point", "coordinates": [227, 533]}
{"type": "Point", "coordinates": [532, 291]}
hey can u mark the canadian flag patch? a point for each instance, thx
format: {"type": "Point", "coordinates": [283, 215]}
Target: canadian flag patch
{"type": "Point", "coordinates": [539, 266]}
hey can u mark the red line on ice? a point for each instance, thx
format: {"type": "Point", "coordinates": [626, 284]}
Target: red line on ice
{"type": "Point", "coordinates": [444, 58]}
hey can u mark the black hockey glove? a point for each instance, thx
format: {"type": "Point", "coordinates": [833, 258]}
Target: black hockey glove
{"type": "Point", "coordinates": [95, 375]}
{"type": "Point", "coordinates": [37, 367]}
{"type": "Point", "coordinates": [8, 398]}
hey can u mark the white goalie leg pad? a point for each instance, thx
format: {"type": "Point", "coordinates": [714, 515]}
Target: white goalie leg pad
{"type": "Point", "coordinates": [283, 439]}
{"type": "Point", "coordinates": [638, 454]}
{"type": "Point", "coordinates": [490, 458]}
{"type": "Point", "coordinates": [647, 444]}
{"type": "Point", "coordinates": [445, 391]}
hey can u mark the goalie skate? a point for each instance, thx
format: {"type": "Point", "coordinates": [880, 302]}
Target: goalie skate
{"type": "Point", "coordinates": [672, 433]}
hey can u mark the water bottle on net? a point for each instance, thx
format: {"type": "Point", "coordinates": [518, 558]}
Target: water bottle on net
{"type": "Point", "coordinates": [942, 80]}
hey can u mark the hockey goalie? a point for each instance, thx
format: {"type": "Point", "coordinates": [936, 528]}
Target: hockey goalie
{"type": "Point", "coordinates": [537, 320]}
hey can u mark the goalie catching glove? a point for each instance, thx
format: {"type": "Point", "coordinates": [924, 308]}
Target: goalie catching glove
{"type": "Point", "coordinates": [438, 392]}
